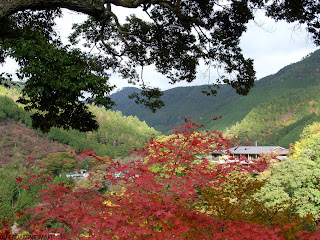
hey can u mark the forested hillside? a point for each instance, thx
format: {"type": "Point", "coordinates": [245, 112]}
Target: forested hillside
{"type": "Point", "coordinates": [277, 101]}
{"type": "Point", "coordinates": [17, 141]}
{"type": "Point", "coordinates": [280, 121]}
{"type": "Point", "coordinates": [117, 136]}
{"type": "Point", "coordinates": [181, 102]}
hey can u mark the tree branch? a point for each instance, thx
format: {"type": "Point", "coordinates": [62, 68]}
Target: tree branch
{"type": "Point", "coordinates": [129, 3]}
{"type": "Point", "coordinates": [93, 8]}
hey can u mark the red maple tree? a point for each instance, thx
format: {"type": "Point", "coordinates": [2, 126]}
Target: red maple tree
{"type": "Point", "coordinates": [162, 197]}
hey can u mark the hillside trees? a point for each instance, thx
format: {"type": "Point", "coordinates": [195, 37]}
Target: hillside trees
{"type": "Point", "coordinates": [178, 36]}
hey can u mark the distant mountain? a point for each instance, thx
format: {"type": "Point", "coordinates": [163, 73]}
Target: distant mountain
{"type": "Point", "coordinates": [181, 102]}
{"type": "Point", "coordinates": [188, 102]}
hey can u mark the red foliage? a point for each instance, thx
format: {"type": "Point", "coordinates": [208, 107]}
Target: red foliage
{"type": "Point", "coordinates": [5, 231]}
{"type": "Point", "coordinates": [158, 203]}
{"type": "Point", "coordinates": [86, 153]}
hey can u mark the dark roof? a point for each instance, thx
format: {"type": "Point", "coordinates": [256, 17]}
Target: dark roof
{"type": "Point", "coordinates": [243, 150]}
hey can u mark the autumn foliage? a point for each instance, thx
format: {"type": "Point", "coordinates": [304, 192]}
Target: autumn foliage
{"type": "Point", "coordinates": [171, 193]}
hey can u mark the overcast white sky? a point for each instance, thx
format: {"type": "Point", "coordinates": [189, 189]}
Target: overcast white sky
{"type": "Point", "coordinates": [271, 45]}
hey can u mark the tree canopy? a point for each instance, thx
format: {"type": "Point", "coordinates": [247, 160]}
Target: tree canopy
{"type": "Point", "coordinates": [177, 37]}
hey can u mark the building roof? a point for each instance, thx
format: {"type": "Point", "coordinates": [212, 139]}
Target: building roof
{"type": "Point", "coordinates": [252, 150]}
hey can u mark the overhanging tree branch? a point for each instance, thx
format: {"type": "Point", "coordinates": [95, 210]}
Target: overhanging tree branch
{"type": "Point", "coordinates": [94, 8]}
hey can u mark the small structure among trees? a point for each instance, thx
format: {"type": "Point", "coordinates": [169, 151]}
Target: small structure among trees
{"type": "Point", "coordinates": [78, 175]}
{"type": "Point", "coordinates": [252, 152]}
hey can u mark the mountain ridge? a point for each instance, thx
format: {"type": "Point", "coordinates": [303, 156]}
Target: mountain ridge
{"type": "Point", "coordinates": [186, 102]}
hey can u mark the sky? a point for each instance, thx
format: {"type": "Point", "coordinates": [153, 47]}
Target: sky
{"type": "Point", "coordinates": [272, 46]}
